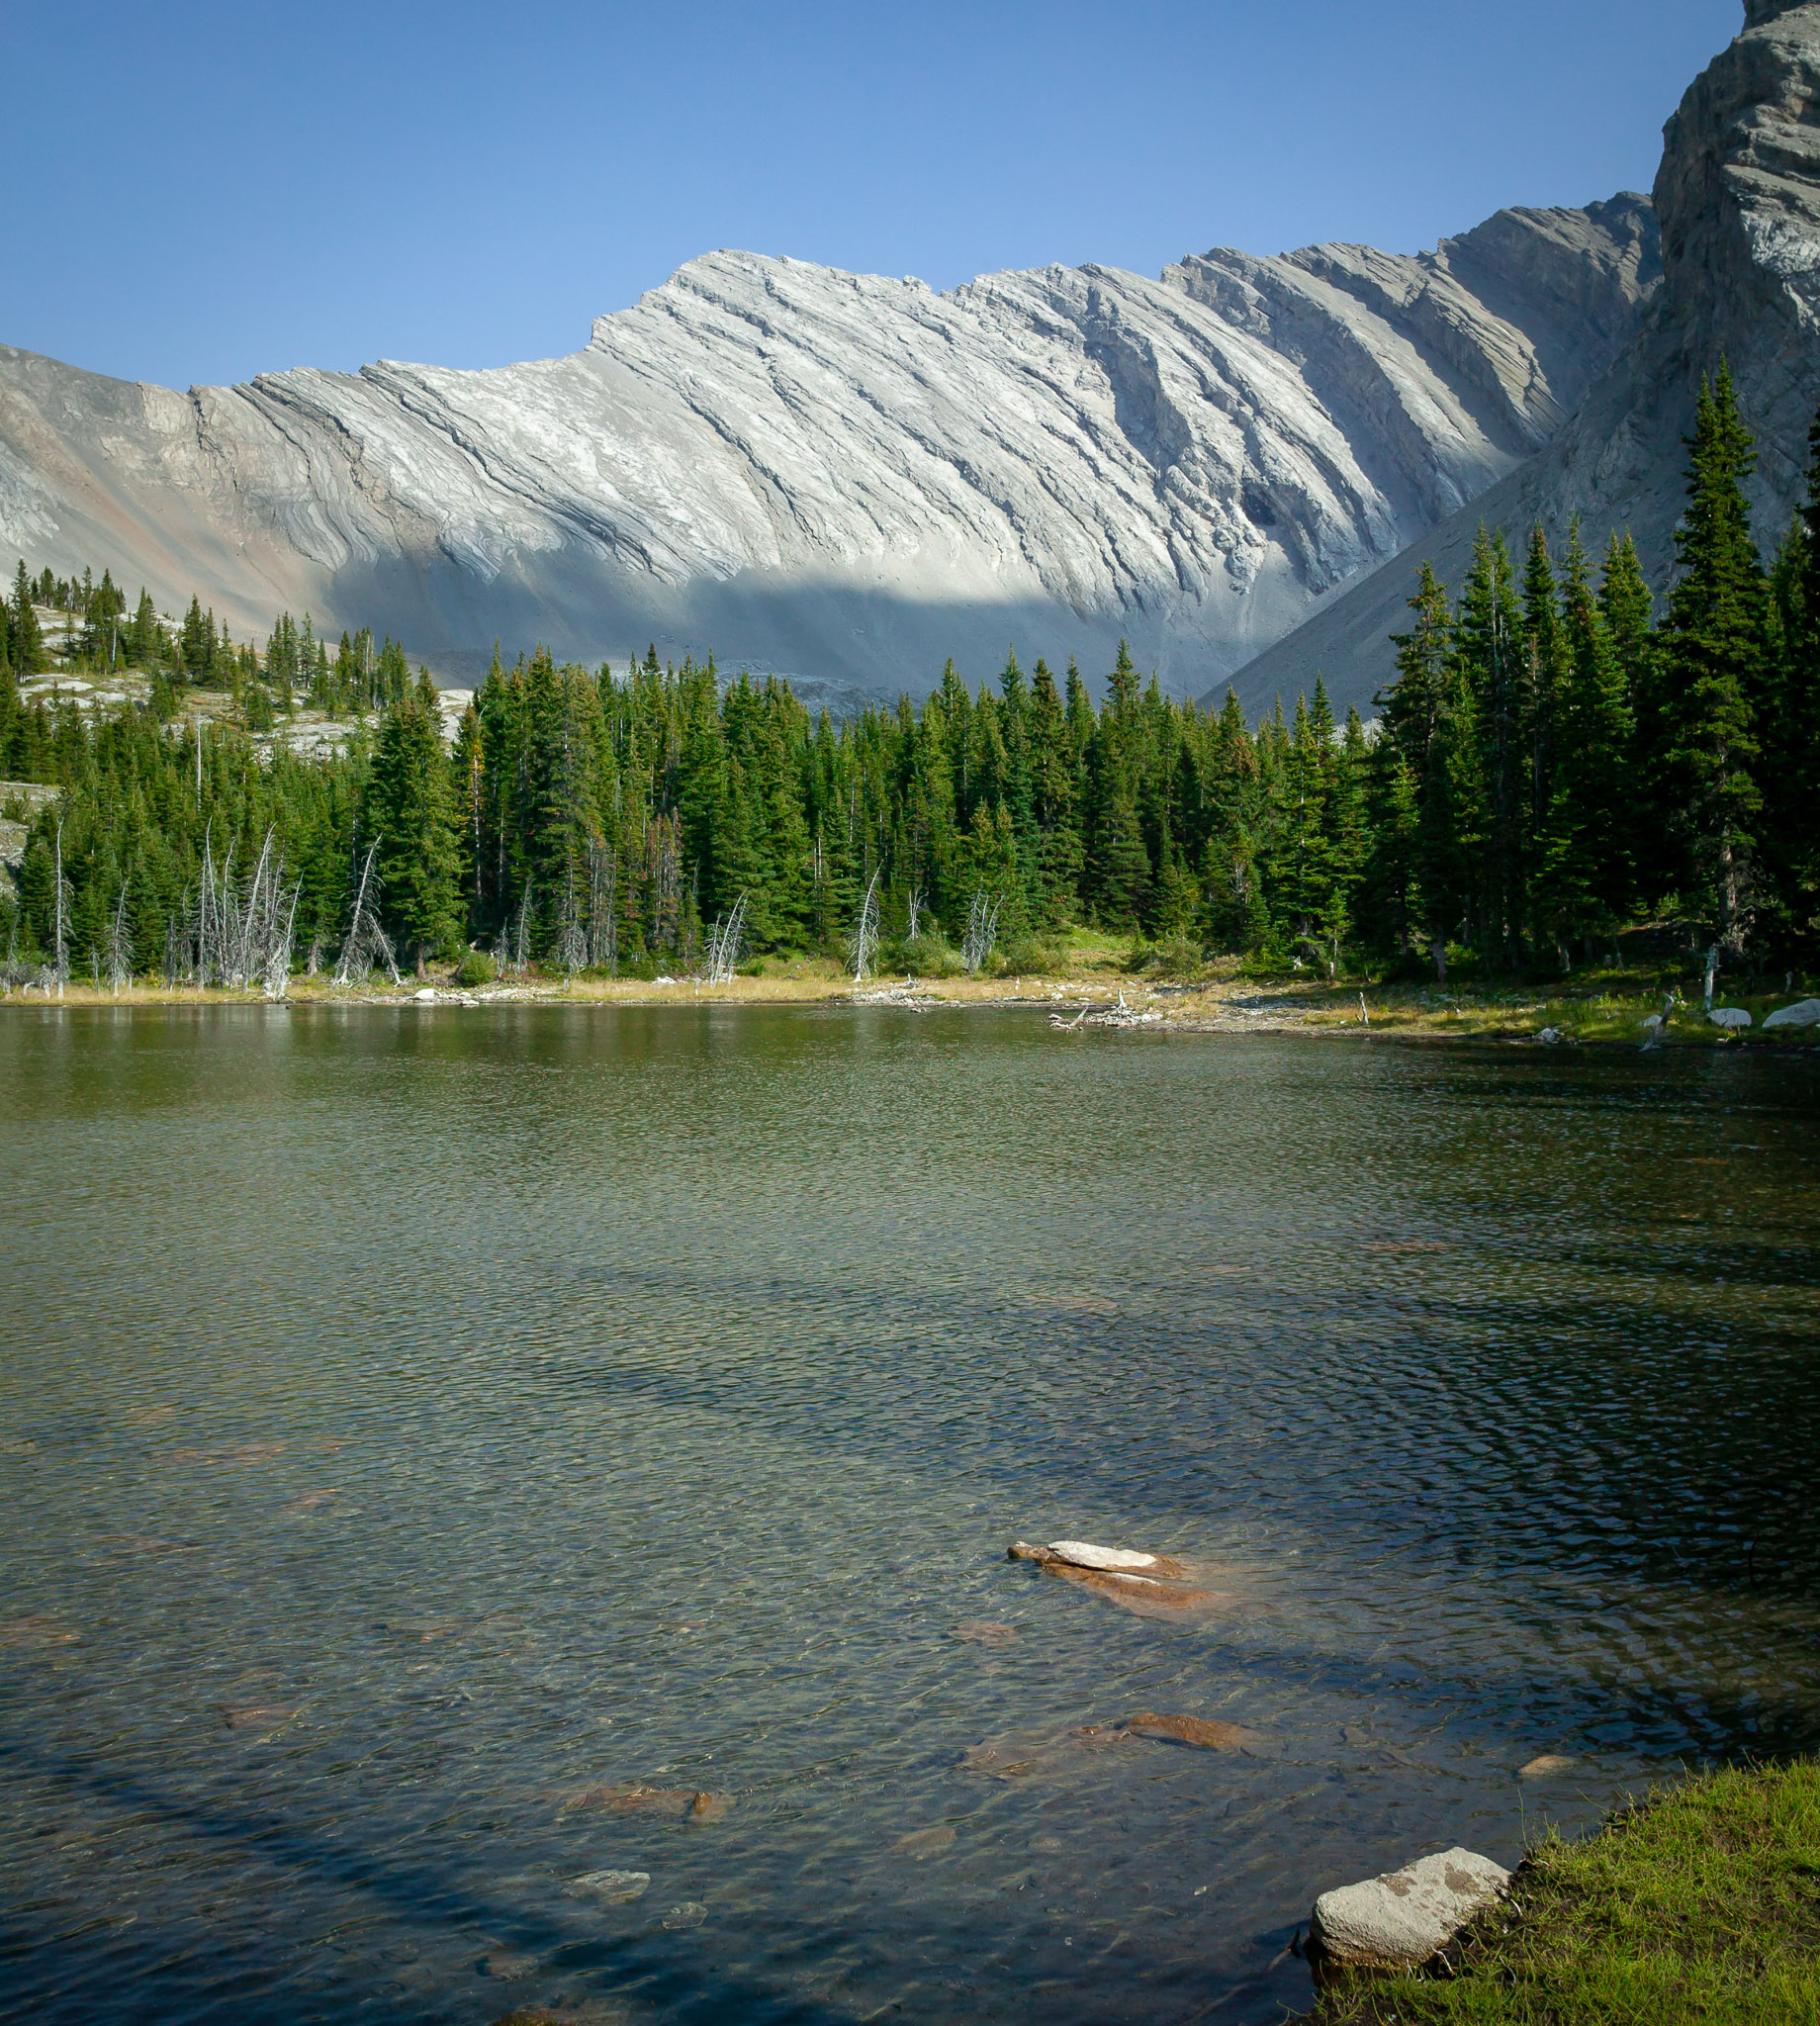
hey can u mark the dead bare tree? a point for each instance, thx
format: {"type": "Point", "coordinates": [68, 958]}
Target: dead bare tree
{"type": "Point", "coordinates": [518, 946]}
{"type": "Point", "coordinates": [912, 914]}
{"type": "Point", "coordinates": [602, 906]}
{"type": "Point", "coordinates": [366, 942]}
{"type": "Point", "coordinates": [571, 934]}
{"type": "Point", "coordinates": [60, 953]}
{"type": "Point", "coordinates": [982, 930]}
{"type": "Point", "coordinates": [667, 895]}
{"type": "Point", "coordinates": [724, 945]}
{"type": "Point", "coordinates": [119, 947]}
{"type": "Point", "coordinates": [862, 944]}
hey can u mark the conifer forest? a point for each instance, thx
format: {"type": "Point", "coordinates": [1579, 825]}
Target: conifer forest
{"type": "Point", "coordinates": [1560, 752]}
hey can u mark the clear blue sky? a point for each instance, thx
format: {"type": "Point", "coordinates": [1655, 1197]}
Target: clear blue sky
{"type": "Point", "coordinates": [199, 192]}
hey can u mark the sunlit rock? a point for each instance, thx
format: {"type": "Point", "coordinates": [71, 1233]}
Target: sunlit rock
{"type": "Point", "coordinates": [1402, 1918]}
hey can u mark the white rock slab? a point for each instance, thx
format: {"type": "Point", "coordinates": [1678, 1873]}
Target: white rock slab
{"type": "Point", "coordinates": [1806, 1013]}
{"type": "Point", "coordinates": [1732, 1018]}
{"type": "Point", "coordinates": [1084, 1555]}
{"type": "Point", "coordinates": [1403, 1917]}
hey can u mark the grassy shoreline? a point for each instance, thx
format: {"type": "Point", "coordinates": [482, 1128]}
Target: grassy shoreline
{"type": "Point", "coordinates": [1607, 1008]}
{"type": "Point", "coordinates": [1702, 1905]}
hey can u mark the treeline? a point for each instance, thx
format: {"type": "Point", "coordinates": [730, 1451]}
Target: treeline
{"type": "Point", "coordinates": [1552, 763]}
{"type": "Point", "coordinates": [295, 667]}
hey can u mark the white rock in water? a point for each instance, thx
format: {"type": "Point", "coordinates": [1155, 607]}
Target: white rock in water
{"type": "Point", "coordinates": [1730, 1018]}
{"type": "Point", "coordinates": [611, 1888]}
{"type": "Point", "coordinates": [1084, 1555]}
{"type": "Point", "coordinates": [1404, 1918]}
{"type": "Point", "coordinates": [1804, 1014]}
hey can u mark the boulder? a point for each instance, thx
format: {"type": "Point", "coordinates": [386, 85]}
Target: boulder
{"type": "Point", "coordinates": [1402, 1918]}
{"type": "Point", "coordinates": [1806, 1013]}
{"type": "Point", "coordinates": [1734, 1019]}
{"type": "Point", "coordinates": [1083, 1554]}
{"type": "Point", "coordinates": [1546, 1767]}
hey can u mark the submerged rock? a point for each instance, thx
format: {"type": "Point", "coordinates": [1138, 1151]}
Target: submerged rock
{"type": "Point", "coordinates": [610, 1889]}
{"type": "Point", "coordinates": [1083, 1554]}
{"type": "Point", "coordinates": [259, 1716]}
{"type": "Point", "coordinates": [684, 1802]}
{"type": "Point", "coordinates": [984, 1632]}
{"type": "Point", "coordinates": [691, 1913]}
{"type": "Point", "coordinates": [921, 1842]}
{"type": "Point", "coordinates": [508, 1965]}
{"type": "Point", "coordinates": [1043, 1755]}
{"type": "Point", "coordinates": [1150, 1585]}
{"type": "Point", "coordinates": [1207, 1732]}
{"type": "Point", "coordinates": [1402, 1918]}
{"type": "Point", "coordinates": [1544, 1768]}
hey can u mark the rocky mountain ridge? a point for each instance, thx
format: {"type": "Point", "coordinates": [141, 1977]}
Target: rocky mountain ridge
{"type": "Point", "coordinates": [852, 477]}
{"type": "Point", "coordinates": [1737, 197]}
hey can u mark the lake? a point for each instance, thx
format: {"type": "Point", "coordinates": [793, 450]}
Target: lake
{"type": "Point", "coordinates": [441, 1445]}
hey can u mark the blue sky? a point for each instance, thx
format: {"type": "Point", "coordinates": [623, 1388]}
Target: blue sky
{"type": "Point", "coordinates": [199, 192]}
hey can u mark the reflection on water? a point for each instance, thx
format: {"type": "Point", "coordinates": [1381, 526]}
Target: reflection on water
{"type": "Point", "coordinates": [508, 1508]}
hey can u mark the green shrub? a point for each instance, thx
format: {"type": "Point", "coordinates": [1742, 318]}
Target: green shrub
{"type": "Point", "coordinates": [1029, 956]}
{"type": "Point", "coordinates": [928, 954]}
{"type": "Point", "coordinates": [476, 968]}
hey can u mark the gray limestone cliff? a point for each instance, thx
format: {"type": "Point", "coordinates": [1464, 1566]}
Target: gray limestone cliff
{"type": "Point", "coordinates": [1738, 198]}
{"type": "Point", "coordinates": [852, 477]}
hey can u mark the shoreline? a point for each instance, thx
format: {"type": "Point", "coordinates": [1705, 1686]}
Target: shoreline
{"type": "Point", "coordinates": [1615, 1016]}
{"type": "Point", "coordinates": [1698, 1902]}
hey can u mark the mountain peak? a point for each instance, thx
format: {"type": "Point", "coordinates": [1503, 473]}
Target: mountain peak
{"type": "Point", "coordinates": [1758, 13]}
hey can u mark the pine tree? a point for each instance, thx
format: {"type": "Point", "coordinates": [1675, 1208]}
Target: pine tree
{"type": "Point", "coordinates": [1712, 672]}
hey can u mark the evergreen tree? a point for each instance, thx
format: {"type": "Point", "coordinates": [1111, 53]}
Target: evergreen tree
{"type": "Point", "coordinates": [410, 812]}
{"type": "Point", "coordinates": [1712, 674]}
{"type": "Point", "coordinates": [25, 640]}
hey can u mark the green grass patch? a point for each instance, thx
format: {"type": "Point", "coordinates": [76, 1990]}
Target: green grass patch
{"type": "Point", "coordinates": [1701, 1905]}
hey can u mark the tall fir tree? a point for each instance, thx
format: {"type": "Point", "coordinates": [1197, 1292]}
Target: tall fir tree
{"type": "Point", "coordinates": [1712, 674]}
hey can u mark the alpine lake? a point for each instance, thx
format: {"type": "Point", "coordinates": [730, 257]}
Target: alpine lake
{"type": "Point", "coordinates": [507, 1509]}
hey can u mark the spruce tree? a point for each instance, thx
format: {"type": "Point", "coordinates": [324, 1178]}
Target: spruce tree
{"type": "Point", "coordinates": [411, 810]}
{"type": "Point", "coordinates": [1712, 673]}
{"type": "Point", "coordinates": [1588, 831]}
{"type": "Point", "coordinates": [26, 643]}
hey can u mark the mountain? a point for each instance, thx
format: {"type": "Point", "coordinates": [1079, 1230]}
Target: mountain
{"type": "Point", "coordinates": [1738, 198]}
{"type": "Point", "coordinates": [851, 478]}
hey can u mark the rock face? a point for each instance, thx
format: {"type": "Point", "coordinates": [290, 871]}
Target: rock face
{"type": "Point", "coordinates": [852, 476]}
{"type": "Point", "coordinates": [1738, 198]}
{"type": "Point", "coordinates": [1404, 1918]}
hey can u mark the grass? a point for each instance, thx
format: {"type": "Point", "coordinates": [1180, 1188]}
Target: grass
{"type": "Point", "coordinates": [1703, 1905]}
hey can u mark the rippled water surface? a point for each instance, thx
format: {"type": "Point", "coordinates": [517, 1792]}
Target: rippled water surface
{"type": "Point", "coordinates": [416, 1424]}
